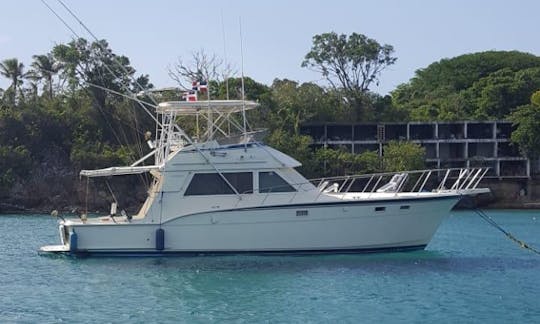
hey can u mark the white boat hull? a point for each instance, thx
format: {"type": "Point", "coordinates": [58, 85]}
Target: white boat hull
{"type": "Point", "coordinates": [208, 197]}
{"type": "Point", "coordinates": [345, 226]}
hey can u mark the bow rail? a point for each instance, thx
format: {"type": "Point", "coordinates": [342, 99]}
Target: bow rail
{"type": "Point", "coordinates": [434, 180]}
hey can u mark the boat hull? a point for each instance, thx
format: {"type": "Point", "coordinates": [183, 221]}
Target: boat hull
{"type": "Point", "coordinates": [339, 227]}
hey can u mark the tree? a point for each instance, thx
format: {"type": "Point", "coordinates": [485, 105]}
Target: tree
{"type": "Point", "coordinates": [337, 162]}
{"type": "Point", "coordinates": [14, 162]}
{"type": "Point", "coordinates": [526, 119]}
{"type": "Point", "coordinates": [13, 70]}
{"type": "Point", "coordinates": [102, 71]}
{"type": "Point", "coordinates": [352, 62]}
{"type": "Point", "coordinates": [202, 67]}
{"type": "Point", "coordinates": [485, 85]}
{"type": "Point", "coordinates": [294, 145]}
{"type": "Point", "coordinates": [295, 104]}
{"type": "Point", "coordinates": [403, 156]}
{"type": "Point", "coordinates": [498, 94]}
{"type": "Point", "coordinates": [44, 68]}
{"type": "Point", "coordinates": [95, 64]}
{"type": "Point", "coordinates": [233, 89]}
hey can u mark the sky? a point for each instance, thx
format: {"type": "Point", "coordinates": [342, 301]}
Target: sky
{"type": "Point", "coordinates": [276, 35]}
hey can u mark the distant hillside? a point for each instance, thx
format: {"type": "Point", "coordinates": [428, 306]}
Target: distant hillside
{"type": "Point", "coordinates": [485, 85]}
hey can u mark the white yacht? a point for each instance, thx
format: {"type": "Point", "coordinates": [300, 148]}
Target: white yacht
{"type": "Point", "coordinates": [226, 194]}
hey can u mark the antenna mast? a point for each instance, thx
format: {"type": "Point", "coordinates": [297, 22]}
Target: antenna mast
{"type": "Point", "coordinates": [225, 55]}
{"type": "Point", "coordinates": [243, 90]}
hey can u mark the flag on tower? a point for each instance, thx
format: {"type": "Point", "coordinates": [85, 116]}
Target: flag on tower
{"type": "Point", "coordinates": [201, 86]}
{"type": "Point", "coordinates": [190, 95]}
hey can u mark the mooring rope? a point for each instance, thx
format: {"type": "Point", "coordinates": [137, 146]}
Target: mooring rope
{"type": "Point", "coordinates": [490, 221]}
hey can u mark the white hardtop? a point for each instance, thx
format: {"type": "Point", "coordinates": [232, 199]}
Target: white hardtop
{"type": "Point", "coordinates": [121, 170]}
{"type": "Point", "coordinates": [197, 107]}
{"type": "Point", "coordinates": [247, 156]}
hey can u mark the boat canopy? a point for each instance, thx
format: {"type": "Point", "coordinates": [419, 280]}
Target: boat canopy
{"type": "Point", "coordinates": [197, 107]}
{"type": "Point", "coordinates": [124, 170]}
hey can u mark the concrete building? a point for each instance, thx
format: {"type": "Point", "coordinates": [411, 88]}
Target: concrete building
{"type": "Point", "coordinates": [447, 144]}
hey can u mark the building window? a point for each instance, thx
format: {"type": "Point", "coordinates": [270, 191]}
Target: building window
{"type": "Point", "coordinates": [272, 182]}
{"type": "Point", "coordinates": [213, 184]}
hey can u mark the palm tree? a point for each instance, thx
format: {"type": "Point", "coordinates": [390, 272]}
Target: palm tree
{"type": "Point", "coordinates": [13, 70]}
{"type": "Point", "coordinates": [45, 67]}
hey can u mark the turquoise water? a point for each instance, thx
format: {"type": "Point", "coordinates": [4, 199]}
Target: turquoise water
{"type": "Point", "coordinates": [469, 273]}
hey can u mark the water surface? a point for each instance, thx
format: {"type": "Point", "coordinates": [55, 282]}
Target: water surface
{"type": "Point", "coordinates": [469, 273]}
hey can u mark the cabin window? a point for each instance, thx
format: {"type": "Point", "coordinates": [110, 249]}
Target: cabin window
{"type": "Point", "coordinates": [213, 184]}
{"type": "Point", "coordinates": [380, 209]}
{"type": "Point", "coordinates": [241, 181]}
{"type": "Point", "coordinates": [272, 182]}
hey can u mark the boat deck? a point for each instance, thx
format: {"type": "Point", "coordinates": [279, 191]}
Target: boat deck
{"type": "Point", "coordinates": [54, 249]}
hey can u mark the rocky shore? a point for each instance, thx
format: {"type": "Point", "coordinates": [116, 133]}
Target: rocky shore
{"type": "Point", "coordinates": [55, 185]}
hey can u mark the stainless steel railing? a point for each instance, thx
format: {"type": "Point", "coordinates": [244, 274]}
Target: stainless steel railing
{"type": "Point", "coordinates": [434, 180]}
{"type": "Point", "coordinates": [406, 181]}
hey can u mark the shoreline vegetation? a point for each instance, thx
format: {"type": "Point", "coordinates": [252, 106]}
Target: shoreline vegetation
{"type": "Point", "coordinates": [56, 118]}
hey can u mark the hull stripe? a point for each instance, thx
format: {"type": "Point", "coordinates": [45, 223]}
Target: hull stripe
{"type": "Point", "coordinates": [353, 202]}
{"type": "Point", "coordinates": [153, 253]}
{"type": "Point", "coordinates": [325, 204]}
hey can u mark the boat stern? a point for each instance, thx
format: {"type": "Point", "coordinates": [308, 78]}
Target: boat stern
{"type": "Point", "coordinates": [68, 240]}
{"type": "Point", "coordinates": [54, 249]}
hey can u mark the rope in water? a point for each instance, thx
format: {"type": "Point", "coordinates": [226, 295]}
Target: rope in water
{"type": "Point", "coordinates": [490, 221]}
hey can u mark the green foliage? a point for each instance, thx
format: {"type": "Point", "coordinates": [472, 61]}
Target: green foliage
{"type": "Point", "coordinates": [253, 89]}
{"type": "Point", "coordinates": [486, 85]}
{"type": "Point", "coordinates": [526, 118]}
{"type": "Point", "coordinates": [296, 146]}
{"type": "Point", "coordinates": [349, 63]}
{"type": "Point", "coordinates": [14, 162]}
{"type": "Point", "coordinates": [75, 127]}
{"type": "Point", "coordinates": [95, 64]}
{"type": "Point", "coordinates": [293, 104]}
{"type": "Point", "coordinates": [535, 98]}
{"type": "Point", "coordinates": [322, 162]}
{"type": "Point", "coordinates": [367, 162]}
{"type": "Point", "coordinates": [459, 73]}
{"type": "Point", "coordinates": [44, 69]}
{"type": "Point", "coordinates": [340, 162]}
{"type": "Point", "coordinates": [495, 96]}
{"type": "Point", "coordinates": [398, 156]}
{"type": "Point", "coordinates": [94, 155]}
{"type": "Point", "coordinates": [354, 61]}
{"type": "Point", "coordinates": [86, 127]}
{"type": "Point", "coordinates": [402, 156]}
{"type": "Point", "coordinates": [13, 70]}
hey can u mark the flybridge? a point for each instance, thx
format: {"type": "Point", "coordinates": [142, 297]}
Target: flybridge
{"type": "Point", "coordinates": [198, 107]}
{"type": "Point", "coordinates": [219, 118]}
{"type": "Point", "coordinates": [170, 137]}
